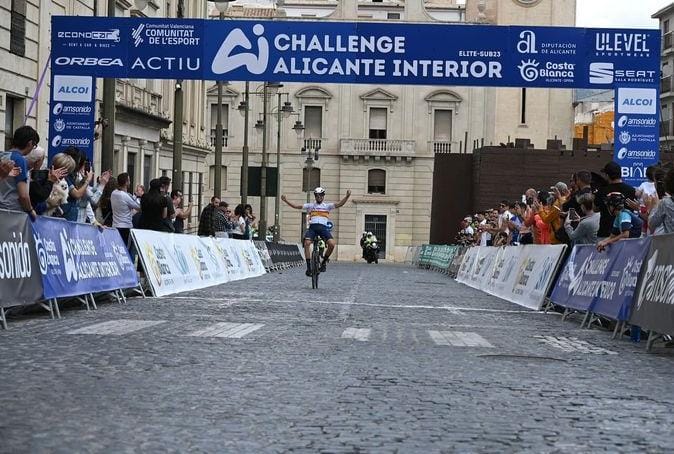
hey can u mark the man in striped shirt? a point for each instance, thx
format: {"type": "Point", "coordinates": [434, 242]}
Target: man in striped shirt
{"type": "Point", "coordinates": [319, 216]}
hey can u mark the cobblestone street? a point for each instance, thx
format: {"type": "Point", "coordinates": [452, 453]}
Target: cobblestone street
{"type": "Point", "coordinates": [379, 359]}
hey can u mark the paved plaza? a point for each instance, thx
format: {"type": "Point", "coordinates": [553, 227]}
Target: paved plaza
{"type": "Point", "coordinates": [379, 359]}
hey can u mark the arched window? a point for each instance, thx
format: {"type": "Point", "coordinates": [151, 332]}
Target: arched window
{"type": "Point", "coordinates": [315, 179]}
{"type": "Point", "coordinates": [376, 181]}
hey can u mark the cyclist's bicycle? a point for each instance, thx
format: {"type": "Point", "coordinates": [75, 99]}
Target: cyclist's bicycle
{"type": "Point", "coordinates": [315, 262]}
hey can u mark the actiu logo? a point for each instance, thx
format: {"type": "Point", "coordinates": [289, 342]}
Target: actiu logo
{"type": "Point", "coordinates": [529, 70]}
{"type": "Point", "coordinates": [225, 62]}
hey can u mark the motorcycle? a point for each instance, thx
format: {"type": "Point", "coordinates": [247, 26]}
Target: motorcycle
{"type": "Point", "coordinates": [372, 252]}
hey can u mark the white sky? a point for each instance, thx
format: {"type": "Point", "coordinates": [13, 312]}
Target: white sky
{"type": "Point", "coordinates": [618, 13]}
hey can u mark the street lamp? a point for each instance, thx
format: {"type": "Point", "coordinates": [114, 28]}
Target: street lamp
{"type": "Point", "coordinates": [310, 150]}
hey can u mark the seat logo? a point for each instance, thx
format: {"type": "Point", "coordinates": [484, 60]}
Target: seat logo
{"type": "Point", "coordinates": [601, 73]}
{"type": "Point", "coordinates": [225, 61]}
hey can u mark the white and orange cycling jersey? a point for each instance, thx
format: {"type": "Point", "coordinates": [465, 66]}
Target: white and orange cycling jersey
{"type": "Point", "coordinates": [319, 213]}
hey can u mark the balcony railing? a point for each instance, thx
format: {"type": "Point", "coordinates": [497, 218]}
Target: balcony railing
{"type": "Point", "coordinates": [313, 144]}
{"type": "Point", "coordinates": [665, 128]}
{"type": "Point", "coordinates": [224, 137]}
{"type": "Point", "coordinates": [666, 84]}
{"type": "Point", "coordinates": [377, 147]}
{"type": "Point", "coordinates": [439, 146]}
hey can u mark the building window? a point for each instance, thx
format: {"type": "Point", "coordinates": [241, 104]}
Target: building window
{"type": "Point", "coordinates": [377, 123]}
{"type": "Point", "coordinates": [376, 181]}
{"type": "Point", "coordinates": [9, 121]}
{"type": "Point", "coordinates": [225, 123]}
{"type": "Point", "coordinates": [17, 33]}
{"type": "Point", "coordinates": [223, 177]}
{"type": "Point", "coordinates": [131, 170]}
{"type": "Point", "coordinates": [523, 107]}
{"type": "Point", "coordinates": [393, 15]}
{"type": "Point", "coordinates": [665, 26]}
{"type": "Point", "coordinates": [313, 122]}
{"type": "Point", "coordinates": [442, 130]}
{"type": "Point", "coordinates": [147, 170]}
{"type": "Point", "coordinates": [315, 179]}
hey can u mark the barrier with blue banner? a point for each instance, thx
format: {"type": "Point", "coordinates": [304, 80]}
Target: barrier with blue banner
{"type": "Point", "coordinates": [79, 259]}
{"type": "Point", "coordinates": [602, 283]}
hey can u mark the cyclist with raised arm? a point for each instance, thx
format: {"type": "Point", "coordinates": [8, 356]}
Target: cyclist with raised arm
{"type": "Point", "coordinates": [319, 216]}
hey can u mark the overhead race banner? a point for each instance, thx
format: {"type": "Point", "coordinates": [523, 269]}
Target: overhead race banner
{"type": "Point", "coordinates": [637, 132]}
{"type": "Point", "coordinates": [654, 301]}
{"type": "Point", "coordinates": [355, 52]}
{"type": "Point", "coordinates": [20, 280]}
{"type": "Point", "coordinates": [601, 282]}
{"type": "Point", "coordinates": [76, 259]}
{"type": "Point", "coordinates": [72, 110]}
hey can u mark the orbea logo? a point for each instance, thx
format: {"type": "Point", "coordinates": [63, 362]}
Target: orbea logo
{"type": "Point", "coordinates": [225, 61]}
{"type": "Point", "coordinates": [527, 43]}
{"type": "Point", "coordinates": [601, 73]}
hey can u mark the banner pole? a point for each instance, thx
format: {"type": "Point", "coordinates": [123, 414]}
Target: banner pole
{"type": "Point", "coordinates": [3, 318]}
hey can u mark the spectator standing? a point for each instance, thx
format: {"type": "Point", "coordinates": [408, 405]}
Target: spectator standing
{"type": "Point", "coordinates": [154, 209]}
{"type": "Point", "coordinates": [165, 187]}
{"type": "Point", "coordinates": [239, 230]}
{"type": "Point", "coordinates": [583, 185]}
{"type": "Point", "coordinates": [104, 211]}
{"type": "Point", "coordinates": [251, 225]}
{"type": "Point", "coordinates": [14, 192]}
{"type": "Point", "coordinates": [626, 223]}
{"type": "Point", "coordinates": [180, 213]}
{"type": "Point", "coordinates": [8, 169]}
{"type": "Point", "coordinates": [516, 222]}
{"type": "Point", "coordinates": [540, 208]}
{"type": "Point", "coordinates": [586, 231]}
{"type": "Point", "coordinates": [206, 218]}
{"type": "Point", "coordinates": [661, 217]}
{"type": "Point", "coordinates": [123, 207]}
{"type": "Point", "coordinates": [526, 230]}
{"type": "Point", "coordinates": [613, 172]}
{"type": "Point", "coordinates": [222, 222]}
{"type": "Point", "coordinates": [42, 181]}
{"type": "Point", "coordinates": [138, 192]}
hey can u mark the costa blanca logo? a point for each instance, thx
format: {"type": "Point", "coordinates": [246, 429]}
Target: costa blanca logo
{"type": "Point", "coordinates": [59, 125]}
{"type": "Point", "coordinates": [622, 153]}
{"type": "Point", "coordinates": [601, 73]}
{"type": "Point", "coordinates": [527, 43]}
{"type": "Point", "coordinates": [68, 258]}
{"type": "Point", "coordinates": [529, 70]}
{"type": "Point", "coordinates": [225, 62]}
{"type": "Point", "coordinates": [622, 121]}
{"type": "Point", "coordinates": [625, 138]}
{"type": "Point", "coordinates": [56, 141]}
{"type": "Point", "coordinates": [58, 108]}
{"type": "Point", "coordinates": [136, 35]}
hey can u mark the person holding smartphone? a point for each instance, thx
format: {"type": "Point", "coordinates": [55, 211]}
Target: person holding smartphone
{"type": "Point", "coordinates": [588, 225]}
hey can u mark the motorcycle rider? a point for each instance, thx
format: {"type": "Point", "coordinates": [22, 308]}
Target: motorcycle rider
{"type": "Point", "coordinates": [370, 241]}
{"type": "Point", "coordinates": [362, 242]}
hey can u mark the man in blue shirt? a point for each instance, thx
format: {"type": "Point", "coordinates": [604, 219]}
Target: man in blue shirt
{"type": "Point", "coordinates": [14, 193]}
{"type": "Point", "coordinates": [626, 224]}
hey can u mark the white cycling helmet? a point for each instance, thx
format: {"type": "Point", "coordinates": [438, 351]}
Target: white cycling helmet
{"type": "Point", "coordinates": [319, 190]}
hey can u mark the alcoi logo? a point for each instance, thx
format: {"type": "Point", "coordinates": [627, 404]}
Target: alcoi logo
{"type": "Point", "coordinates": [225, 62]}
{"type": "Point", "coordinates": [56, 141]}
{"type": "Point", "coordinates": [58, 108]}
{"type": "Point", "coordinates": [622, 153]}
{"type": "Point", "coordinates": [637, 101]}
{"type": "Point", "coordinates": [72, 88]}
{"type": "Point", "coordinates": [601, 73]}
{"type": "Point", "coordinates": [622, 121]}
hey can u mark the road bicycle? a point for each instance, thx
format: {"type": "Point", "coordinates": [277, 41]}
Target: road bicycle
{"type": "Point", "coordinates": [315, 262]}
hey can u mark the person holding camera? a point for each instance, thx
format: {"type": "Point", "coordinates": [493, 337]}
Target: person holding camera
{"type": "Point", "coordinates": [588, 225]}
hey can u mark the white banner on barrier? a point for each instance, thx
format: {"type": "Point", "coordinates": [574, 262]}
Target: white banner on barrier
{"type": "Point", "coordinates": [519, 274]}
{"type": "Point", "coordinates": [177, 263]}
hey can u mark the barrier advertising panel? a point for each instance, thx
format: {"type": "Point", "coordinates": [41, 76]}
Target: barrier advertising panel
{"type": "Point", "coordinates": [519, 274]}
{"type": "Point", "coordinates": [654, 301]}
{"type": "Point", "coordinates": [281, 253]}
{"type": "Point", "coordinates": [601, 282]}
{"type": "Point", "coordinates": [264, 253]}
{"type": "Point", "coordinates": [76, 259]}
{"type": "Point", "coordinates": [177, 263]}
{"type": "Point", "coordinates": [20, 280]}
